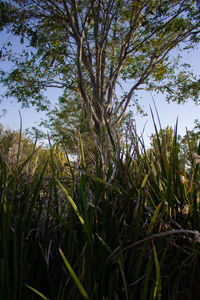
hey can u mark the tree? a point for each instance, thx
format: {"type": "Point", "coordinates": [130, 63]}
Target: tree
{"type": "Point", "coordinates": [69, 118]}
{"type": "Point", "coordinates": [4, 18]}
{"type": "Point", "coordinates": [65, 120]}
{"type": "Point", "coordinates": [12, 142]}
{"type": "Point", "coordinates": [163, 141]}
{"type": "Point", "coordinates": [90, 47]}
{"type": "Point", "coordinates": [190, 146]}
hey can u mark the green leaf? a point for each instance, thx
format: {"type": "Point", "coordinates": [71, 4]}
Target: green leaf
{"type": "Point", "coordinates": [76, 280]}
{"type": "Point", "coordinates": [144, 181]}
{"type": "Point", "coordinates": [37, 292]}
{"type": "Point", "coordinates": [153, 220]}
{"type": "Point", "coordinates": [73, 204]}
{"type": "Point", "coordinates": [158, 288]}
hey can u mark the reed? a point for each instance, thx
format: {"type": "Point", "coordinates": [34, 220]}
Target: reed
{"type": "Point", "coordinates": [124, 225]}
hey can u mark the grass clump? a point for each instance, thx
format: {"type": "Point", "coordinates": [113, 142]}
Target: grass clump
{"type": "Point", "coordinates": [122, 222]}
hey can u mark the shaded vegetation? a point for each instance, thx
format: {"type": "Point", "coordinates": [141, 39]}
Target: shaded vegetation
{"type": "Point", "coordinates": [125, 226]}
{"type": "Point", "coordinates": [120, 221]}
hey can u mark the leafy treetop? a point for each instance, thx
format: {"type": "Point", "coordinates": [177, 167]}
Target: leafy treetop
{"type": "Point", "coordinates": [89, 47]}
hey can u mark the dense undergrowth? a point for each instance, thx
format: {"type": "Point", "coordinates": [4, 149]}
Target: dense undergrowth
{"type": "Point", "coordinates": [122, 222]}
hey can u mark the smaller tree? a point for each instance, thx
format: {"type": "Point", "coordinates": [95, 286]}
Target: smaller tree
{"type": "Point", "coordinates": [163, 141]}
{"type": "Point", "coordinates": [14, 144]}
{"type": "Point", "coordinates": [68, 117]}
{"type": "Point", "coordinates": [190, 145]}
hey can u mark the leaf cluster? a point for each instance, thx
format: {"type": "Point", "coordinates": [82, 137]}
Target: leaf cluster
{"type": "Point", "coordinates": [89, 47]}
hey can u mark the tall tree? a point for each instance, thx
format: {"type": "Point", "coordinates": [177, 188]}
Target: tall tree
{"type": "Point", "coordinates": [89, 47]}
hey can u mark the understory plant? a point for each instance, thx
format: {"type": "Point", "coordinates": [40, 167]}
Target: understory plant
{"type": "Point", "coordinates": [120, 222]}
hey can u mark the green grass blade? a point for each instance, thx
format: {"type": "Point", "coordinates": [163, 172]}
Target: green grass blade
{"type": "Point", "coordinates": [82, 155]}
{"type": "Point", "coordinates": [19, 143]}
{"type": "Point", "coordinates": [157, 289]}
{"type": "Point", "coordinates": [109, 250]}
{"type": "Point", "coordinates": [153, 220]}
{"type": "Point", "coordinates": [117, 261]}
{"type": "Point", "coordinates": [37, 292]}
{"type": "Point", "coordinates": [97, 179]}
{"type": "Point", "coordinates": [144, 181]}
{"type": "Point", "coordinates": [73, 204]}
{"type": "Point", "coordinates": [144, 295]}
{"type": "Point", "coordinates": [52, 163]}
{"type": "Point", "coordinates": [76, 280]}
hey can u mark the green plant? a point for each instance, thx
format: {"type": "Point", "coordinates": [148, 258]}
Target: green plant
{"type": "Point", "coordinates": [127, 223]}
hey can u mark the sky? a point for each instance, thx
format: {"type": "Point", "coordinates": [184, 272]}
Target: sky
{"type": "Point", "coordinates": [168, 113]}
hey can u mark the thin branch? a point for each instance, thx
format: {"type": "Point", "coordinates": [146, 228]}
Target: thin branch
{"type": "Point", "coordinates": [153, 62]}
{"type": "Point", "coordinates": [196, 235]}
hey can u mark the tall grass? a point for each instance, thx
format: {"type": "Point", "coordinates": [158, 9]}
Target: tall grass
{"type": "Point", "coordinates": [126, 223]}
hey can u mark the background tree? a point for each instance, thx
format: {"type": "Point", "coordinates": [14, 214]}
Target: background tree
{"type": "Point", "coordinates": [11, 141]}
{"type": "Point", "coordinates": [90, 47]}
{"type": "Point", "coordinates": [190, 145]}
{"type": "Point", "coordinates": [4, 18]}
{"type": "Point", "coordinates": [65, 120]}
{"type": "Point", "coordinates": [68, 118]}
{"type": "Point", "coordinates": [164, 140]}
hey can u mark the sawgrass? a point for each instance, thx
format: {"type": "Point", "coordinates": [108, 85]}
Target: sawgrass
{"type": "Point", "coordinates": [126, 221]}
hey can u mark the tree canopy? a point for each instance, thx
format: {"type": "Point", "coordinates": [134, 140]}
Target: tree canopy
{"type": "Point", "coordinates": [91, 47]}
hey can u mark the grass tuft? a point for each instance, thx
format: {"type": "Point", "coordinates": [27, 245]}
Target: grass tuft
{"type": "Point", "coordinates": [125, 216]}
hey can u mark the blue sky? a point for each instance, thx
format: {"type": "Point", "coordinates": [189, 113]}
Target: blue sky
{"type": "Point", "coordinates": [168, 113]}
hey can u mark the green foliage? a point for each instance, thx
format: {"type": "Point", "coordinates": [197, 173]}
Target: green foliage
{"type": "Point", "coordinates": [87, 48]}
{"type": "Point", "coordinates": [68, 117]}
{"type": "Point", "coordinates": [27, 192]}
{"type": "Point", "coordinates": [4, 16]}
{"type": "Point", "coordinates": [128, 226]}
{"type": "Point", "coordinates": [165, 139]}
{"type": "Point", "coordinates": [38, 293]}
{"type": "Point", "coordinates": [158, 288]}
{"type": "Point", "coordinates": [190, 145]}
{"type": "Point", "coordinates": [79, 285]}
